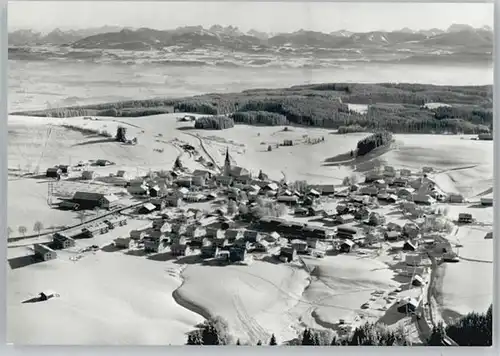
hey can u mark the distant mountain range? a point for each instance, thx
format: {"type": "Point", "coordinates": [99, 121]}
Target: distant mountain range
{"type": "Point", "coordinates": [458, 41]}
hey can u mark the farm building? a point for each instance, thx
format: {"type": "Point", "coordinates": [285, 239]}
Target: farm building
{"type": "Point", "coordinates": [410, 246]}
{"type": "Point", "coordinates": [185, 182]}
{"type": "Point", "coordinates": [62, 241]}
{"type": "Point", "coordinates": [93, 230]}
{"type": "Point", "coordinates": [344, 219]}
{"type": "Point", "coordinates": [392, 198]}
{"type": "Point", "coordinates": [380, 184]}
{"type": "Point", "coordinates": [223, 255]}
{"type": "Point", "coordinates": [241, 243]}
{"type": "Point", "coordinates": [347, 232]}
{"type": "Point", "coordinates": [87, 200]}
{"type": "Point", "coordinates": [300, 211]}
{"type": "Point", "coordinates": [291, 228]}
{"type": "Point", "coordinates": [122, 242]}
{"type": "Point", "coordinates": [413, 259]}
{"type": "Point", "coordinates": [69, 205]}
{"type": "Point", "coordinates": [314, 193]}
{"type": "Point", "coordinates": [405, 172]}
{"type": "Point", "coordinates": [392, 235]}
{"type": "Point", "coordinates": [347, 246]}
{"type": "Point", "coordinates": [343, 193]}
{"type": "Point", "coordinates": [288, 200]}
{"type": "Point", "coordinates": [489, 235]}
{"type": "Point", "coordinates": [487, 201]}
{"type": "Point", "coordinates": [202, 173]}
{"type": "Point", "coordinates": [224, 180]}
{"type": "Point", "coordinates": [464, 218]}
{"type": "Point", "coordinates": [154, 191]}
{"type": "Point", "coordinates": [233, 235]}
{"type": "Point", "coordinates": [65, 169]}
{"type": "Point", "coordinates": [159, 203]}
{"type": "Point", "coordinates": [174, 200]}
{"type": "Point", "coordinates": [389, 171]}
{"type": "Point", "coordinates": [261, 246]}
{"type": "Point", "coordinates": [180, 228]}
{"type": "Point", "coordinates": [425, 199]}
{"type": "Point", "coordinates": [140, 190]}
{"type": "Point", "coordinates": [288, 254]}
{"type": "Point", "coordinates": [180, 250]}
{"type": "Point", "coordinates": [376, 219]}
{"type": "Point", "coordinates": [411, 230]}
{"type": "Point", "coordinates": [199, 181]}
{"type": "Point", "coordinates": [209, 251]}
{"type": "Point", "coordinates": [88, 175]}
{"type": "Point", "coordinates": [360, 214]}
{"type": "Point", "coordinates": [123, 174]}
{"type": "Point", "coordinates": [299, 246]}
{"type": "Point", "coordinates": [252, 236]}
{"type": "Point", "coordinates": [196, 233]}
{"type": "Point", "coordinates": [406, 193]}
{"type": "Point", "coordinates": [418, 281]}
{"type": "Point", "coordinates": [368, 190]}
{"type": "Point", "coordinates": [427, 169]}
{"type": "Point", "coordinates": [393, 227]}
{"type": "Point", "coordinates": [373, 176]}
{"type": "Point", "coordinates": [270, 187]}
{"type": "Point", "coordinates": [137, 234]}
{"type": "Point", "coordinates": [270, 223]}
{"type": "Point", "coordinates": [44, 253]}
{"type": "Point", "coordinates": [152, 245]}
{"type": "Point", "coordinates": [456, 198]}
{"type": "Point", "coordinates": [193, 197]}
{"type": "Point", "coordinates": [221, 242]}
{"type": "Point", "coordinates": [317, 232]}
{"type": "Point", "coordinates": [408, 306]}
{"type": "Point", "coordinates": [324, 189]}
{"type": "Point", "coordinates": [237, 254]}
{"type": "Point", "coordinates": [146, 208]}
{"type": "Point", "coordinates": [400, 182]}
{"type": "Point", "coordinates": [313, 243]}
{"type": "Point", "coordinates": [53, 172]}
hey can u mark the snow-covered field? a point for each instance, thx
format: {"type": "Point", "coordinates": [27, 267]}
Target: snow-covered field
{"type": "Point", "coordinates": [115, 298]}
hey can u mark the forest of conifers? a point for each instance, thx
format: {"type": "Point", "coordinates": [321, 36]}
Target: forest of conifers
{"type": "Point", "coordinates": [398, 108]}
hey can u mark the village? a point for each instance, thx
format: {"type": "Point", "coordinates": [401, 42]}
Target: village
{"type": "Point", "coordinates": [230, 217]}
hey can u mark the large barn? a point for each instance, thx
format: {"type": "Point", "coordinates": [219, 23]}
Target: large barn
{"type": "Point", "coordinates": [88, 200]}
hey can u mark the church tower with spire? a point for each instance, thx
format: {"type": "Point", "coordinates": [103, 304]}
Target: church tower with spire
{"type": "Point", "coordinates": [227, 163]}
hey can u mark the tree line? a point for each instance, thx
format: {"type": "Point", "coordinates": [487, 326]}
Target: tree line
{"type": "Point", "coordinates": [214, 123]}
{"type": "Point", "coordinates": [372, 142]}
{"type": "Point", "coordinates": [473, 329]}
{"type": "Point", "coordinates": [399, 108]}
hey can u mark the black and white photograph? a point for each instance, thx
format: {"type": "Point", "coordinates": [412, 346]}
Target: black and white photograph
{"type": "Point", "coordinates": [250, 173]}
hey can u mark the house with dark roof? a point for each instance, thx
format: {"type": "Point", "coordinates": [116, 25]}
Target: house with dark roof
{"type": "Point", "coordinates": [147, 208]}
{"type": "Point", "coordinates": [89, 200]}
{"type": "Point", "coordinates": [288, 254]}
{"type": "Point", "coordinates": [53, 172]}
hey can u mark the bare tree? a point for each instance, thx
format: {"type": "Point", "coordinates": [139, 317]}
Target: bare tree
{"type": "Point", "coordinates": [97, 210]}
{"type": "Point", "coordinates": [22, 230]}
{"type": "Point", "coordinates": [9, 231]}
{"type": "Point", "coordinates": [81, 216]}
{"type": "Point", "coordinates": [38, 227]}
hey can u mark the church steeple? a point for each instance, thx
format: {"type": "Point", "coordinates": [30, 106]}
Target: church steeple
{"type": "Point", "coordinates": [227, 163]}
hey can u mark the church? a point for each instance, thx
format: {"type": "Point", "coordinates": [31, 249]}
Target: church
{"type": "Point", "coordinates": [238, 173]}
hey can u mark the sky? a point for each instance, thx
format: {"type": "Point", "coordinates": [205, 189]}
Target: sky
{"type": "Point", "coordinates": [271, 17]}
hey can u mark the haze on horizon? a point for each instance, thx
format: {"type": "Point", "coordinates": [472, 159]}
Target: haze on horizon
{"type": "Point", "coordinates": [271, 17]}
